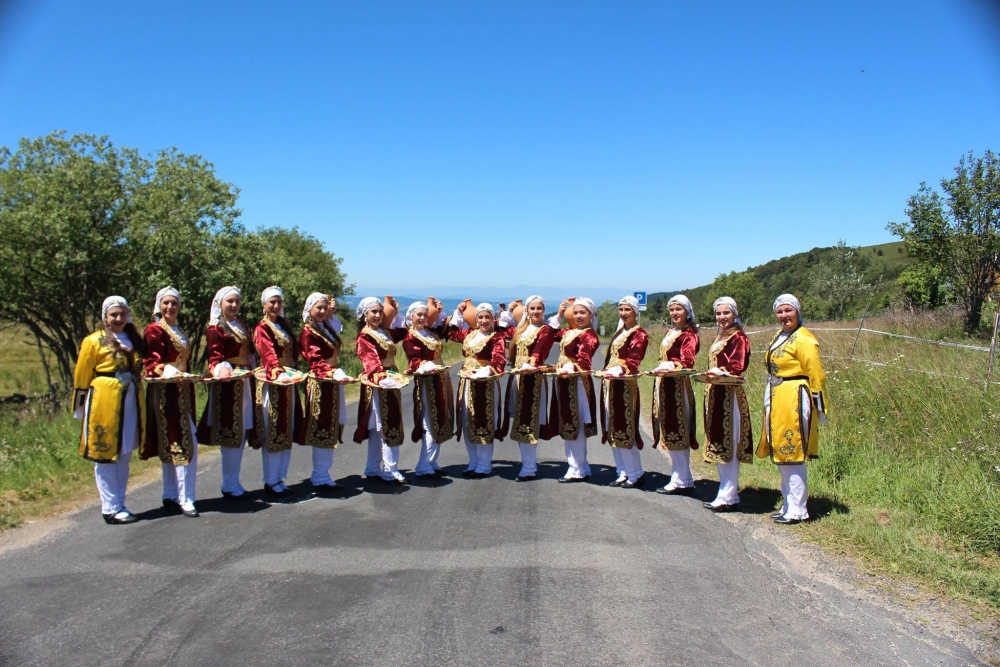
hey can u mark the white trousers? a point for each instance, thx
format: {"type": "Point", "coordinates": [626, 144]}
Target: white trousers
{"type": "Point", "coordinates": [429, 450]}
{"type": "Point", "coordinates": [322, 463]}
{"type": "Point", "coordinates": [529, 459]}
{"type": "Point", "coordinates": [680, 468]}
{"type": "Point", "coordinates": [179, 481]}
{"type": "Point", "coordinates": [793, 488]}
{"type": "Point", "coordinates": [112, 478]}
{"type": "Point", "coordinates": [576, 457]}
{"type": "Point", "coordinates": [480, 456]}
{"type": "Point", "coordinates": [729, 483]}
{"type": "Point", "coordinates": [383, 460]}
{"type": "Point", "coordinates": [628, 462]}
{"type": "Point", "coordinates": [232, 460]}
{"type": "Point", "coordinates": [275, 465]}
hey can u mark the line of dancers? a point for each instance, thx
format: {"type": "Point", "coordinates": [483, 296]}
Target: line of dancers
{"type": "Point", "coordinates": [136, 392]}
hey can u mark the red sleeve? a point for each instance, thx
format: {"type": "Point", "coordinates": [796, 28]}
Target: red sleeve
{"type": "Point", "coordinates": [498, 356]}
{"type": "Point", "coordinates": [158, 350]}
{"type": "Point", "coordinates": [215, 343]}
{"type": "Point", "coordinates": [588, 344]}
{"type": "Point", "coordinates": [543, 344]}
{"type": "Point", "coordinates": [457, 335]}
{"type": "Point", "coordinates": [736, 355]}
{"type": "Point", "coordinates": [689, 348]}
{"type": "Point", "coordinates": [368, 353]}
{"type": "Point", "coordinates": [398, 334]}
{"type": "Point", "coordinates": [312, 352]}
{"type": "Point", "coordinates": [414, 352]}
{"type": "Point", "coordinates": [265, 347]}
{"type": "Point", "coordinates": [506, 333]}
{"type": "Point", "coordinates": [635, 351]}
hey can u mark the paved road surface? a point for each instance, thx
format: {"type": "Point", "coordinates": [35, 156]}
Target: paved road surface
{"type": "Point", "coordinates": [456, 572]}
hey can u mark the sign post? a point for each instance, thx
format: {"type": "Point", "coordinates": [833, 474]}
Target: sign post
{"type": "Point", "coordinates": [641, 298]}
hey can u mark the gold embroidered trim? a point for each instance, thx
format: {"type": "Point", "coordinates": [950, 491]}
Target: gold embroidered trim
{"type": "Point", "coordinates": [527, 433]}
{"type": "Point", "coordinates": [619, 344]}
{"type": "Point", "coordinates": [433, 343]}
{"type": "Point", "coordinates": [668, 342]}
{"type": "Point", "coordinates": [183, 351]}
{"type": "Point", "coordinates": [316, 437]}
{"type": "Point", "coordinates": [470, 350]}
{"type": "Point", "coordinates": [523, 345]}
{"type": "Point", "coordinates": [719, 345]}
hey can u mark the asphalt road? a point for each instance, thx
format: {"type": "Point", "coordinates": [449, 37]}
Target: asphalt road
{"type": "Point", "coordinates": [454, 572]}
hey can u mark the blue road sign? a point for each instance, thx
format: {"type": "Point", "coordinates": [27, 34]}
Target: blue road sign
{"type": "Point", "coordinates": [641, 298]}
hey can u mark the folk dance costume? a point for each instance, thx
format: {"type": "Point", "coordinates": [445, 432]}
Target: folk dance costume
{"type": "Point", "coordinates": [528, 393]}
{"type": "Point", "coordinates": [108, 397]}
{"type": "Point", "coordinates": [433, 396]}
{"type": "Point", "coordinates": [573, 408]}
{"type": "Point", "coordinates": [728, 434]}
{"type": "Point", "coordinates": [380, 411]}
{"type": "Point", "coordinates": [277, 410]}
{"type": "Point", "coordinates": [620, 399]}
{"type": "Point", "coordinates": [794, 405]}
{"type": "Point", "coordinates": [228, 419]}
{"type": "Point", "coordinates": [479, 399]}
{"type": "Point", "coordinates": [170, 410]}
{"type": "Point", "coordinates": [322, 426]}
{"type": "Point", "coordinates": [673, 401]}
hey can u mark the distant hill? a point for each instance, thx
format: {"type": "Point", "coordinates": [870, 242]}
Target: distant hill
{"type": "Point", "coordinates": [791, 274]}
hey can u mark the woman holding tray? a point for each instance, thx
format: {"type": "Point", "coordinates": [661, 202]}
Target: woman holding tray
{"type": "Point", "coordinates": [170, 428]}
{"type": "Point", "coordinates": [380, 408]}
{"type": "Point", "coordinates": [322, 426]}
{"type": "Point", "coordinates": [276, 406]}
{"type": "Point", "coordinates": [673, 398]}
{"type": "Point", "coordinates": [728, 435]}
{"type": "Point", "coordinates": [227, 421]}
{"type": "Point", "coordinates": [108, 398]}
{"type": "Point", "coordinates": [527, 389]}
{"type": "Point", "coordinates": [573, 410]}
{"type": "Point", "coordinates": [620, 395]}
{"type": "Point", "coordinates": [433, 398]}
{"type": "Point", "coordinates": [484, 350]}
{"type": "Point", "coordinates": [794, 405]}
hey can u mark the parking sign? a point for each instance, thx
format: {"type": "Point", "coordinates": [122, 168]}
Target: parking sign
{"type": "Point", "coordinates": [641, 298]}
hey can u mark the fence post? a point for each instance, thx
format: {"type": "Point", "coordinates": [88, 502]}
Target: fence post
{"type": "Point", "coordinates": [861, 326]}
{"type": "Point", "coordinates": [993, 347]}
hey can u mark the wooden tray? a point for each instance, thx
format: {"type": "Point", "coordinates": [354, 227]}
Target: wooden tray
{"type": "Point", "coordinates": [348, 380]}
{"type": "Point", "coordinates": [297, 376]}
{"type": "Point", "coordinates": [177, 379]}
{"type": "Point", "coordinates": [536, 369]}
{"type": "Point", "coordinates": [603, 376]}
{"type": "Point", "coordinates": [399, 377]}
{"type": "Point", "coordinates": [572, 374]}
{"type": "Point", "coordinates": [438, 370]}
{"type": "Point", "coordinates": [464, 375]}
{"type": "Point", "coordinates": [678, 373]}
{"type": "Point", "coordinates": [238, 374]}
{"type": "Point", "coordinates": [707, 378]}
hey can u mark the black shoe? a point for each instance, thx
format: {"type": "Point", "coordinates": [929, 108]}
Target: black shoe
{"type": "Point", "coordinates": [480, 475]}
{"type": "Point", "coordinates": [639, 483]}
{"type": "Point", "coordinates": [190, 513]}
{"type": "Point", "coordinates": [787, 522]}
{"type": "Point", "coordinates": [469, 474]}
{"type": "Point", "coordinates": [618, 482]}
{"type": "Point", "coordinates": [172, 505]}
{"type": "Point", "coordinates": [777, 515]}
{"type": "Point", "coordinates": [282, 496]}
{"type": "Point", "coordinates": [570, 480]}
{"type": "Point", "coordinates": [525, 478]}
{"type": "Point", "coordinates": [428, 475]}
{"type": "Point", "coordinates": [242, 498]}
{"type": "Point", "coordinates": [721, 508]}
{"type": "Point", "coordinates": [677, 491]}
{"type": "Point", "coordinates": [110, 518]}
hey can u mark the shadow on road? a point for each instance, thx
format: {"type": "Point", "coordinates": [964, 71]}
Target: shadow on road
{"type": "Point", "coordinates": [219, 505]}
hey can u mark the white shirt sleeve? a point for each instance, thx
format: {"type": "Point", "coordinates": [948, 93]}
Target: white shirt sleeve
{"type": "Point", "coordinates": [555, 321]}
{"type": "Point", "coordinates": [335, 323]}
{"type": "Point", "coordinates": [398, 322]}
{"type": "Point", "coordinates": [458, 321]}
{"type": "Point", "coordinates": [506, 319]}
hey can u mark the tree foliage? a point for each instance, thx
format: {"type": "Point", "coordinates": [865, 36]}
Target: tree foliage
{"type": "Point", "coordinates": [956, 237]}
{"type": "Point", "coordinates": [81, 219]}
{"type": "Point", "coordinates": [746, 289]}
{"type": "Point", "coordinates": [840, 283]}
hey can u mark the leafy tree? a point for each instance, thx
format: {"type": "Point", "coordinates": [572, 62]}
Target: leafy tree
{"type": "Point", "coordinates": [956, 237]}
{"type": "Point", "coordinates": [745, 288]}
{"type": "Point", "coordinates": [840, 283]}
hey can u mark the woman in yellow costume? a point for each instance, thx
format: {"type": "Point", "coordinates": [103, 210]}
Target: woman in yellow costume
{"type": "Point", "coordinates": [794, 405]}
{"type": "Point", "coordinates": [108, 398]}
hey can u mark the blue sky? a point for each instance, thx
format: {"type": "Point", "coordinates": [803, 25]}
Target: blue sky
{"type": "Point", "coordinates": [633, 145]}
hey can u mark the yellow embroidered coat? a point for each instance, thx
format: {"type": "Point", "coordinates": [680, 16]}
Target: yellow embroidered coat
{"type": "Point", "coordinates": [101, 386]}
{"type": "Point", "coordinates": [793, 399]}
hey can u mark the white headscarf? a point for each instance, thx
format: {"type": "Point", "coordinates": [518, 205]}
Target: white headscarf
{"type": "Point", "coordinates": [311, 301]}
{"type": "Point", "coordinates": [365, 305]}
{"type": "Point", "coordinates": [488, 307]}
{"type": "Point", "coordinates": [682, 300]}
{"type": "Point", "coordinates": [728, 301]}
{"type": "Point", "coordinates": [788, 300]}
{"type": "Point", "coordinates": [114, 302]}
{"type": "Point", "coordinates": [412, 310]}
{"type": "Point", "coordinates": [166, 291]}
{"type": "Point", "coordinates": [273, 291]}
{"type": "Point", "coordinates": [632, 303]}
{"type": "Point", "coordinates": [527, 302]}
{"type": "Point", "coordinates": [589, 305]}
{"type": "Point", "coordinates": [216, 313]}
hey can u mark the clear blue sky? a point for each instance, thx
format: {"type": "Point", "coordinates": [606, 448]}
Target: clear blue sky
{"type": "Point", "coordinates": [641, 145]}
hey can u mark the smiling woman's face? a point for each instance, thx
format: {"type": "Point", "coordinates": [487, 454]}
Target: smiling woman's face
{"type": "Point", "coordinates": [117, 318]}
